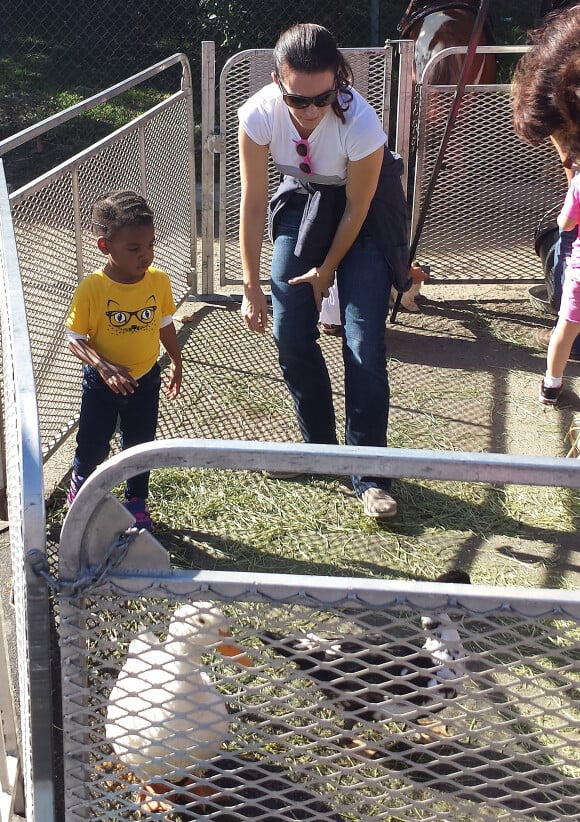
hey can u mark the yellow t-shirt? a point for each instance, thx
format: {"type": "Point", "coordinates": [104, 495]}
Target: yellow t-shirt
{"type": "Point", "coordinates": [121, 321]}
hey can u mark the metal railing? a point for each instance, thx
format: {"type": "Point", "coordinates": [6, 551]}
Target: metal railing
{"type": "Point", "coordinates": [153, 154]}
{"type": "Point", "coordinates": [25, 498]}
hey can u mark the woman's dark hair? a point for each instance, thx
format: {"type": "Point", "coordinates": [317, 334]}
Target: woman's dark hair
{"type": "Point", "coordinates": [311, 48]}
{"type": "Point", "coordinates": [546, 83]}
{"type": "Point", "coordinates": [118, 209]}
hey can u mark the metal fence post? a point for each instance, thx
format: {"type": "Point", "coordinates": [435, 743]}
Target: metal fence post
{"type": "Point", "coordinates": [186, 87]}
{"type": "Point", "coordinates": [404, 104]}
{"type": "Point", "coordinates": [27, 530]}
{"type": "Point", "coordinates": [207, 165]}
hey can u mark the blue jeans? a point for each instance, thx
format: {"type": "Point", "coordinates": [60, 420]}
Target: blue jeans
{"type": "Point", "coordinates": [562, 251]}
{"type": "Point", "coordinates": [100, 408]}
{"type": "Point", "coordinates": [364, 285]}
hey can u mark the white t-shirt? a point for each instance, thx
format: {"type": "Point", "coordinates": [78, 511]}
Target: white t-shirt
{"type": "Point", "coordinates": [265, 118]}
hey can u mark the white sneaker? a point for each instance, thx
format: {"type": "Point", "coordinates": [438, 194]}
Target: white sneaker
{"type": "Point", "coordinates": [378, 504]}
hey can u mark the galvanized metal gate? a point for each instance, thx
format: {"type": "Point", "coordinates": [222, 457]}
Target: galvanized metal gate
{"type": "Point", "coordinates": [362, 699]}
{"type": "Point", "coordinates": [154, 153]}
{"type": "Point", "coordinates": [493, 191]}
{"type": "Point", "coordinates": [489, 199]}
{"type": "Point", "coordinates": [241, 77]}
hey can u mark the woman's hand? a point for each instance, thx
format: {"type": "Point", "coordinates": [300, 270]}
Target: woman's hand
{"type": "Point", "coordinates": [254, 198]}
{"type": "Point", "coordinates": [320, 282]}
{"type": "Point", "coordinates": [254, 309]}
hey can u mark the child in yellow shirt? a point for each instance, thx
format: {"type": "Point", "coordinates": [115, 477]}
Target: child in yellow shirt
{"type": "Point", "coordinates": [117, 318]}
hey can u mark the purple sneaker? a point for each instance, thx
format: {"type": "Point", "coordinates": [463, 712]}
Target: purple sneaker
{"type": "Point", "coordinates": [74, 488]}
{"type": "Point", "coordinates": [137, 507]}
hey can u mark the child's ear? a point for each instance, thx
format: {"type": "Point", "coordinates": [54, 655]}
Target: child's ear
{"type": "Point", "coordinates": [102, 245]}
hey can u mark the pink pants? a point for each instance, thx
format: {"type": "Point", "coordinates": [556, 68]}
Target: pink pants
{"type": "Point", "coordinates": [570, 304]}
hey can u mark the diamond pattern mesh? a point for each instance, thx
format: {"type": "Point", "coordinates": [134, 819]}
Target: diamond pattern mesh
{"type": "Point", "coordinates": [422, 709]}
{"type": "Point", "coordinates": [152, 156]}
{"type": "Point", "coordinates": [491, 193]}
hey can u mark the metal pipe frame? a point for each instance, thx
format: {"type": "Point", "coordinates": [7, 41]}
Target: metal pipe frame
{"type": "Point", "coordinates": [27, 531]}
{"type": "Point", "coordinates": [311, 459]}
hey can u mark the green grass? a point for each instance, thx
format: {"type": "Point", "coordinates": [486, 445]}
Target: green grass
{"type": "Point", "coordinates": [238, 520]}
{"type": "Point", "coordinates": [40, 96]}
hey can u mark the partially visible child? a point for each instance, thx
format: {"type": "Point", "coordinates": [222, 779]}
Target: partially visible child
{"type": "Point", "coordinates": [116, 320]}
{"type": "Point", "coordinates": [568, 325]}
{"type": "Point", "coordinates": [546, 103]}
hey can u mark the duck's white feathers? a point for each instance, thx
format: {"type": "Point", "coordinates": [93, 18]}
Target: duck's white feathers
{"type": "Point", "coordinates": [165, 717]}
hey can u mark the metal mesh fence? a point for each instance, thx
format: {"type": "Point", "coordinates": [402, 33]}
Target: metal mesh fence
{"type": "Point", "coordinates": [56, 248]}
{"type": "Point", "coordinates": [242, 76]}
{"type": "Point", "coordinates": [492, 193]}
{"type": "Point", "coordinates": [362, 701]}
{"type": "Point", "coordinates": [361, 698]}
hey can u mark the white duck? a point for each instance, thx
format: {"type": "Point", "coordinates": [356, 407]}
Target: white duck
{"type": "Point", "coordinates": [165, 718]}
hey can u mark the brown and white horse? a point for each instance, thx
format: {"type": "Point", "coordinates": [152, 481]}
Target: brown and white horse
{"type": "Point", "coordinates": [435, 25]}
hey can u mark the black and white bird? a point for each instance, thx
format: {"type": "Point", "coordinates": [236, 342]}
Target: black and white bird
{"type": "Point", "coordinates": [369, 678]}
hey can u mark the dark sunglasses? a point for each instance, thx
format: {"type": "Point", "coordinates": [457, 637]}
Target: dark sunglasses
{"type": "Point", "coordinates": [327, 98]}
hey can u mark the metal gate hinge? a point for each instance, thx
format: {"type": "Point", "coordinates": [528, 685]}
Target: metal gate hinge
{"type": "Point", "coordinates": [91, 577]}
{"type": "Point", "coordinates": [216, 143]}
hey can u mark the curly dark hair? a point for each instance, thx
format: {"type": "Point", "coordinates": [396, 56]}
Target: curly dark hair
{"type": "Point", "coordinates": [311, 48]}
{"type": "Point", "coordinates": [118, 209]}
{"type": "Point", "coordinates": [546, 83]}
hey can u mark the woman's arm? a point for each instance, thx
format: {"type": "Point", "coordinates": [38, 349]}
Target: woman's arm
{"type": "Point", "coordinates": [254, 199]}
{"type": "Point", "coordinates": [362, 177]}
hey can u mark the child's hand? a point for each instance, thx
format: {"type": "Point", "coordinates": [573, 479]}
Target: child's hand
{"type": "Point", "coordinates": [118, 378]}
{"type": "Point", "coordinates": [174, 383]}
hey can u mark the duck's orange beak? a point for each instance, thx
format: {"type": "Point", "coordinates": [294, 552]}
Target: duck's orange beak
{"type": "Point", "coordinates": [230, 650]}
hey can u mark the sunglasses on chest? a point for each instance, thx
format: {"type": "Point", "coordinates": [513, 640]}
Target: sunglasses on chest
{"type": "Point", "coordinates": [327, 98]}
{"type": "Point", "coordinates": [303, 151]}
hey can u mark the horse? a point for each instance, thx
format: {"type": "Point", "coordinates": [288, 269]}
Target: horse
{"type": "Point", "coordinates": [434, 25]}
